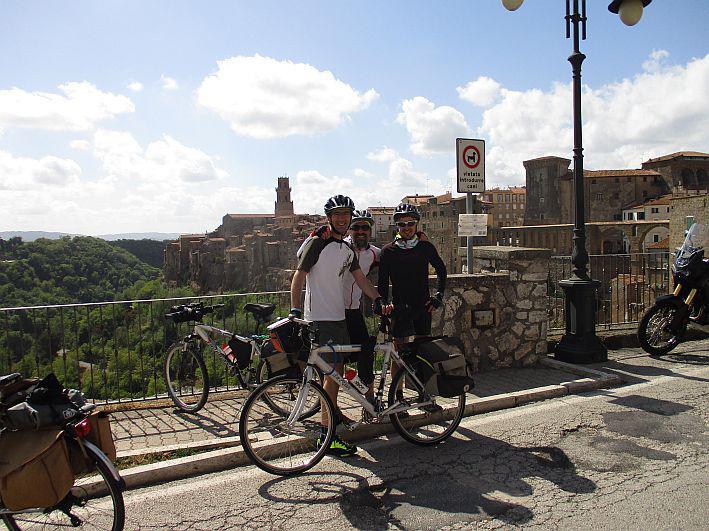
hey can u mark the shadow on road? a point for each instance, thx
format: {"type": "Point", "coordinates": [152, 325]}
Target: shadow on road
{"type": "Point", "coordinates": [466, 478]}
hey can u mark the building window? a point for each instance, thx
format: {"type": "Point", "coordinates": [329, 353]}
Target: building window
{"type": "Point", "coordinates": [616, 180]}
{"type": "Point", "coordinates": [599, 195]}
{"type": "Point", "coordinates": [655, 210]}
{"type": "Point", "coordinates": [514, 198]}
{"type": "Point", "coordinates": [593, 181]}
{"type": "Point", "coordinates": [541, 200]}
{"type": "Point", "coordinates": [499, 198]}
{"type": "Point", "coordinates": [627, 179]}
{"type": "Point", "coordinates": [655, 238]}
{"type": "Point", "coordinates": [521, 198]}
{"type": "Point", "coordinates": [644, 193]}
{"type": "Point", "coordinates": [507, 198]}
{"type": "Point", "coordinates": [644, 179]}
{"type": "Point", "coordinates": [641, 216]}
{"type": "Point", "coordinates": [514, 206]}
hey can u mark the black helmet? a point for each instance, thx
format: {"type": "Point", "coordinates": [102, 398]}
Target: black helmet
{"type": "Point", "coordinates": [406, 209]}
{"type": "Point", "coordinates": [339, 201]}
{"type": "Point", "coordinates": [363, 215]}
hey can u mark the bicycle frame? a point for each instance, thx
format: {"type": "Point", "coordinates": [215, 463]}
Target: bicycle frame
{"type": "Point", "coordinates": [315, 360]}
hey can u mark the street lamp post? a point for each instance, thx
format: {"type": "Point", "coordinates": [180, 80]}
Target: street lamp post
{"type": "Point", "coordinates": [580, 344]}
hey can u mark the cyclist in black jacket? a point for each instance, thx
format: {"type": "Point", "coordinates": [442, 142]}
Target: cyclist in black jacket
{"type": "Point", "coordinates": [405, 263]}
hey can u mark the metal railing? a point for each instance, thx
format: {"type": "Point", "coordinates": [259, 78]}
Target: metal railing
{"type": "Point", "coordinates": [113, 351]}
{"type": "Point", "coordinates": [629, 285]}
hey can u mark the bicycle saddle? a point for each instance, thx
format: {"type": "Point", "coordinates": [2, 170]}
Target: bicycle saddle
{"type": "Point", "coordinates": [260, 310]}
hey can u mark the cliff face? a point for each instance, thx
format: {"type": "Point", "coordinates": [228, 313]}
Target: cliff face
{"type": "Point", "coordinates": [243, 254]}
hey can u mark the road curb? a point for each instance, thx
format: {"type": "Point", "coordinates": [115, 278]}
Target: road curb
{"type": "Point", "coordinates": [230, 454]}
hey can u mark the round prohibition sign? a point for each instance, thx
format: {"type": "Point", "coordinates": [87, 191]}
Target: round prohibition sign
{"type": "Point", "coordinates": [471, 157]}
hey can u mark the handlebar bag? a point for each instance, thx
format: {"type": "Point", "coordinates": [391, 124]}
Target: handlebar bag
{"type": "Point", "coordinates": [35, 470]}
{"type": "Point", "coordinates": [442, 368]}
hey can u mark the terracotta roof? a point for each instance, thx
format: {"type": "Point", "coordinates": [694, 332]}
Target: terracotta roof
{"type": "Point", "coordinates": [515, 189]}
{"type": "Point", "coordinates": [260, 216]}
{"type": "Point", "coordinates": [664, 200]}
{"type": "Point", "coordinates": [662, 244]}
{"type": "Point", "coordinates": [679, 154]}
{"type": "Point", "coordinates": [618, 173]}
{"type": "Point", "coordinates": [627, 278]}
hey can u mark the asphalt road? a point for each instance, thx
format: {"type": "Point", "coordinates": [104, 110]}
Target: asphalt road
{"type": "Point", "coordinates": [633, 457]}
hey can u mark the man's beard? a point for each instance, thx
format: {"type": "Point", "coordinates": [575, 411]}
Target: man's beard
{"type": "Point", "coordinates": [360, 243]}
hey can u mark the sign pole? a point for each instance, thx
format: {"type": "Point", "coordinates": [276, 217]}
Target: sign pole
{"type": "Point", "coordinates": [469, 251]}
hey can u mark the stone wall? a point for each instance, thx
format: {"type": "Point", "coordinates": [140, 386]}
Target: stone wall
{"type": "Point", "coordinates": [682, 207]}
{"type": "Point", "coordinates": [500, 314]}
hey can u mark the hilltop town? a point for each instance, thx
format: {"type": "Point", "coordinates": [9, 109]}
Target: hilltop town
{"type": "Point", "coordinates": [628, 210]}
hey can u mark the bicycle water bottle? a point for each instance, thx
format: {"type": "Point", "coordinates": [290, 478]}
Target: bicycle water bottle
{"type": "Point", "coordinates": [351, 376]}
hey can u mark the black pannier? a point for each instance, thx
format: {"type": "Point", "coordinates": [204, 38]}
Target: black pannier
{"type": "Point", "coordinates": [287, 349]}
{"type": "Point", "coordinates": [442, 368]}
{"type": "Point", "coordinates": [242, 352]}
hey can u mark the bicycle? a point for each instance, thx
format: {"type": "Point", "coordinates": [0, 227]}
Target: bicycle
{"type": "Point", "coordinates": [185, 371]}
{"type": "Point", "coordinates": [288, 443]}
{"type": "Point", "coordinates": [95, 477]}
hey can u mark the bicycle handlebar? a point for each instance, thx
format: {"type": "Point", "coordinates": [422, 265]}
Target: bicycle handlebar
{"type": "Point", "coordinates": [193, 311]}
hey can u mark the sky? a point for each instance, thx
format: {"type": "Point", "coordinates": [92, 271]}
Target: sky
{"type": "Point", "coordinates": [162, 116]}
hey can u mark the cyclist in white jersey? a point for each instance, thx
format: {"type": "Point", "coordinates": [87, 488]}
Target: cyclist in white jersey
{"type": "Point", "coordinates": [323, 262]}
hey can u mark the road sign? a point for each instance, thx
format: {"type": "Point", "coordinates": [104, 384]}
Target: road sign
{"type": "Point", "coordinates": [472, 224]}
{"type": "Point", "coordinates": [470, 163]}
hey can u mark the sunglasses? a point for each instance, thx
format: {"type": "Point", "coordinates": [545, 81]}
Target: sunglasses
{"type": "Point", "coordinates": [403, 224]}
{"type": "Point", "coordinates": [360, 227]}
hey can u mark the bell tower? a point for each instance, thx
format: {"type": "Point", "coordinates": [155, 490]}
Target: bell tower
{"type": "Point", "coordinates": [284, 204]}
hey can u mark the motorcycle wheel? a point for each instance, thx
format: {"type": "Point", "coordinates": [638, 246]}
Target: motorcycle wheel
{"type": "Point", "coordinates": [655, 336]}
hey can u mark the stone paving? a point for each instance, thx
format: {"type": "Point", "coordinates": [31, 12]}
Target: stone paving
{"type": "Point", "coordinates": [145, 430]}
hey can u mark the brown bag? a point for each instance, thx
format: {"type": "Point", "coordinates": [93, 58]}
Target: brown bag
{"type": "Point", "coordinates": [35, 471]}
{"type": "Point", "coordinates": [100, 434]}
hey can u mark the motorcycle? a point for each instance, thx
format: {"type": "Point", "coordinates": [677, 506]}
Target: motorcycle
{"type": "Point", "coordinates": [664, 325]}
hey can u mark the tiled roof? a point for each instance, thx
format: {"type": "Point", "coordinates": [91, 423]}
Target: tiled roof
{"type": "Point", "coordinates": [251, 215]}
{"type": "Point", "coordinates": [618, 173]}
{"type": "Point", "coordinates": [680, 154]}
{"type": "Point", "coordinates": [662, 244]}
{"type": "Point", "coordinates": [664, 200]}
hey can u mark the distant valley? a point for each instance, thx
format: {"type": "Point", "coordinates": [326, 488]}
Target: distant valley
{"type": "Point", "coordinates": [32, 235]}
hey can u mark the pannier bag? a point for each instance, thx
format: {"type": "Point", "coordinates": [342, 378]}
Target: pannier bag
{"type": "Point", "coordinates": [279, 363]}
{"type": "Point", "coordinates": [242, 351]}
{"type": "Point", "coordinates": [16, 390]}
{"type": "Point", "coordinates": [442, 368]}
{"type": "Point", "coordinates": [100, 433]}
{"type": "Point", "coordinates": [35, 470]}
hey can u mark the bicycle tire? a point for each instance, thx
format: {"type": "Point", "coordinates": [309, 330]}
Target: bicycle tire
{"type": "Point", "coordinates": [86, 501]}
{"type": "Point", "coordinates": [422, 426]}
{"type": "Point", "coordinates": [262, 375]}
{"type": "Point", "coordinates": [275, 447]}
{"type": "Point", "coordinates": [186, 377]}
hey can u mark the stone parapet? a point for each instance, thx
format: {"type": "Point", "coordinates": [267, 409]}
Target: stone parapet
{"type": "Point", "coordinates": [500, 314]}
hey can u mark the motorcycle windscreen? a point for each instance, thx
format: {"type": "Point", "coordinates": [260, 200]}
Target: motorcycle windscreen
{"type": "Point", "coordinates": [697, 238]}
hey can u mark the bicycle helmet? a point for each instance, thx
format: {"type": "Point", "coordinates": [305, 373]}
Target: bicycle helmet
{"type": "Point", "coordinates": [406, 209]}
{"type": "Point", "coordinates": [339, 201]}
{"type": "Point", "coordinates": [363, 215]}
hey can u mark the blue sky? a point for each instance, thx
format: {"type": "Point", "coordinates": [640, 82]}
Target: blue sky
{"type": "Point", "coordinates": [126, 116]}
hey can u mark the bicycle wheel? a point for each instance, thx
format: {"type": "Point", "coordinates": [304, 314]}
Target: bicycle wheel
{"type": "Point", "coordinates": [312, 406]}
{"type": "Point", "coordinates": [95, 501]}
{"type": "Point", "coordinates": [425, 424]}
{"type": "Point", "coordinates": [273, 444]}
{"type": "Point", "coordinates": [186, 377]}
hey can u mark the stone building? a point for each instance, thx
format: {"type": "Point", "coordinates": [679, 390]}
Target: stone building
{"type": "Point", "coordinates": [507, 206]}
{"type": "Point", "coordinates": [684, 170]}
{"type": "Point", "coordinates": [247, 252]}
{"type": "Point", "coordinates": [684, 211]}
{"type": "Point", "coordinates": [439, 220]}
{"type": "Point", "coordinates": [384, 229]}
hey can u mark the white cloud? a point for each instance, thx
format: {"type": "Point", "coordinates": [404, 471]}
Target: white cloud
{"type": "Point", "coordinates": [169, 83]}
{"type": "Point", "coordinates": [482, 92]}
{"type": "Point", "coordinates": [659, 111]}
{"type": "Point", "coordinates": [80, 145]}
{"type": "Point", "coordinates": [79, 108]}
{"type": "Point", "coordinates": [262, 97]}
{"type": "Point", "coordinates": [433, 129]}
{"type": "Point", "coordinates": [22, 173]}
{"type": "Point", "coordinates": [364, 174]}
{"type": "Point", "coordinates": [163, 161]}
{"type": "Point", "coordinates": [135, 86]}
{"type": "Point", "coordinates": [385, 154]}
